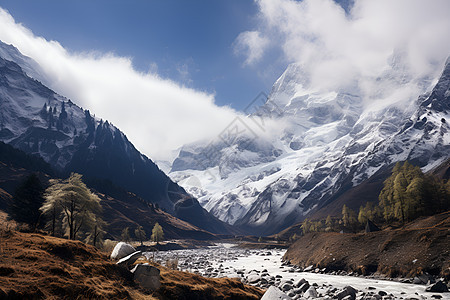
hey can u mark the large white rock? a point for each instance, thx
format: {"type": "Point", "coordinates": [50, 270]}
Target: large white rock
{"type": "Point", "coordinates": [274, 293]}
{"type": "Point", "coordinates": [121, 250]}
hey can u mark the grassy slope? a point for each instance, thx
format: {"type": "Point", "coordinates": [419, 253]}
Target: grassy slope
{"type": "Point", "coordinates": [128, 210]}
{"type": "Point", "coordinates": [42, 267]}
{"type": "Point", "coordinates": [390, 252]}
{"type": "Point", "coordinates": [38, 266]}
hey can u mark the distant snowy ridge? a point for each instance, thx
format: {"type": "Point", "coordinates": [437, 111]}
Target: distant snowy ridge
{"type": "Point", "coordinates": [331, 139]}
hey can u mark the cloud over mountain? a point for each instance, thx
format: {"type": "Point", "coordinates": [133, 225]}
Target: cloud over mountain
{"type": "Point", "coordinates": [158, 115]}
{"type": "Point", "coordinates": [408, 40]}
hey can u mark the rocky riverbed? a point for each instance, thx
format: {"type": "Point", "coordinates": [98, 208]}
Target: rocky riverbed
{"type": "Point", "coordinates": [264, 268]}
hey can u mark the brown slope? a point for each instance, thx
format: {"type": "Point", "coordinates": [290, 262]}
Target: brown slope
{"type": "Point", "coordinates": [5, 199]}
{"type": "Point", "coordinates": [400, 252]}
{"type": "Point", "coordinates": [126, 210]}
{"type": "Point", "coordinates": [35, 266]}
{"type": "Point", "coordinates": [133, 211]}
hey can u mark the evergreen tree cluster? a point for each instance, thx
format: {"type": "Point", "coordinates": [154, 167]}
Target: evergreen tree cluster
{"type": "Point", "coordinates": [408, 194]}
{"type": "Point", "coordinates": [370, 212]}
{"type": "Point", "coordinates": [28, 198]}
{"type": "Point", "coordinates": [19, 159]}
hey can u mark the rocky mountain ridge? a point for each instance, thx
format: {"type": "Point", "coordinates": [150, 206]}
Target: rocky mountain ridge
{"type": "Point", "coordinates": [37, 120]}
{"type": "Point", "coordinates": [330, 142]}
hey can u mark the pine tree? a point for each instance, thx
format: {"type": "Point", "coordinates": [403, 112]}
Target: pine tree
{"type": "Point", "coordinates": [345, 215]}
{"type": "Point", "coordinates": [140, 234]}
{"type": "Point", "coordinates": [400, 185]}
{"type": "Point", "coordinates": [329, 223]}
{"type": "Point", "coordinates": [28, 198]}
{"type": "Point", "coordinates": [415, 196]}
{"type": "Point", "coordinates": [125, 235]}
{"type": "Point", "coordinates": [306, 226]}
{"type": "Point", "coordinates": [157, 233]}
{"type": "Point", "coordinates": [362, 215]}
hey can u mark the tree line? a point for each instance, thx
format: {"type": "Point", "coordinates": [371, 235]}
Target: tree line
{"type": "Point", "coordinates": [407, 194]}
{"type": "Point", "coordinates": [67, 208]}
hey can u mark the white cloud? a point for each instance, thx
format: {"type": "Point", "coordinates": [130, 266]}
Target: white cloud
{"type": "Point", "coordinates": [157, 115]}
{"type": "Point", "coordinates": [339, 50]}
{"type": "Point", "coordinates": [250, 44]}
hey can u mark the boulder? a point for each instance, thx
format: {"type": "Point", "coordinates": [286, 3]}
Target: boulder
{"type": "Point", "coordinates": [253, 278]}
{"type": "Point", "coordinates": [130, 259]}
{"type": "Point", "coordinates": [347, 291]}
{"type": "Point", "coordinates": [299, 282]}
{"type": "Point", "coordinates": [309, 268]}
{"type": "Point", "coordinates": [438, 287]}
{"type": "Point", "coordinates": [422, 279]}
{"type": "Point", "coordinates": [286, 287]}
{"type": "Point", "coordinates": [310, 293]}
{"type": "Point", "coordinates": [304, 287]}
{"type": "Point", "coordinates": [274, 293]}
{"type": "Point", "coordinates": [121, 250]}
{"type": "Point", "coordinates": [147, 276]}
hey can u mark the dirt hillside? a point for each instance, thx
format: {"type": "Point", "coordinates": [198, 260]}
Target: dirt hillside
{"type": "Point", "coordinates": [421, 246]}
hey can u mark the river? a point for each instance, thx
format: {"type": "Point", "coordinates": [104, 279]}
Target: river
{"type": "Point", "coordinates": [224, 260]}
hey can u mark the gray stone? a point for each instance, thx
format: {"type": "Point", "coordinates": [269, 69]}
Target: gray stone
{"type": "Point", "coordinates": [308, 269]}
{"type": "Point", "coordinates": [310, 293]}
{"type": "Point", "coordinates": [304, 287]}
{"type": "Point", "coordinates": [253, 278]}
{"type": "Point", "coordinates": [438, 287]}
{"type": "Point", "coordinates": [286, 287]}
{"type": "Point", "coordinates": [299, 282]}
{"type": "Point", "coordinates": [347, 291]}
{"type": "Point", "coordinates": [121, 250]}
{"type": "Point", "coordinates": [274, 293]}
{"type": "Point", "coordinates": [130, 259]}
{"type": "Point", "coordinates": [147, 276]}
{"type": "Point", "coordinates": [421, 279]}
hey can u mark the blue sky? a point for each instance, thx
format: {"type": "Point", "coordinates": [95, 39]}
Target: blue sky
{"type": "Point", "coordinates": [190, 42]}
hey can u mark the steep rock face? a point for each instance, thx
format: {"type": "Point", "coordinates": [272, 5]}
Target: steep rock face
{"type": "Point", "coordinates": [36, 120]}
{"type": "Point", "coordinates": [330, 142]}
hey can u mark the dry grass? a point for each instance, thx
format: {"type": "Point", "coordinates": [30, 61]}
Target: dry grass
{"type": "Point", "coordinates": [38, 266]}
{"type": "Point", "coordinates": [35, 266]}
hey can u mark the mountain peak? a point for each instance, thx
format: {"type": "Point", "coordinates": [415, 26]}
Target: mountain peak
{"type": "Point", "coordinates": [439, 99]}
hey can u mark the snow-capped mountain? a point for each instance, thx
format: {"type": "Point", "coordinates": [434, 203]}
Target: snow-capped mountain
{"type": "Point", "coordinates": [329, 141]}
{"type": "Point", "coordinates": [37, 120]}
